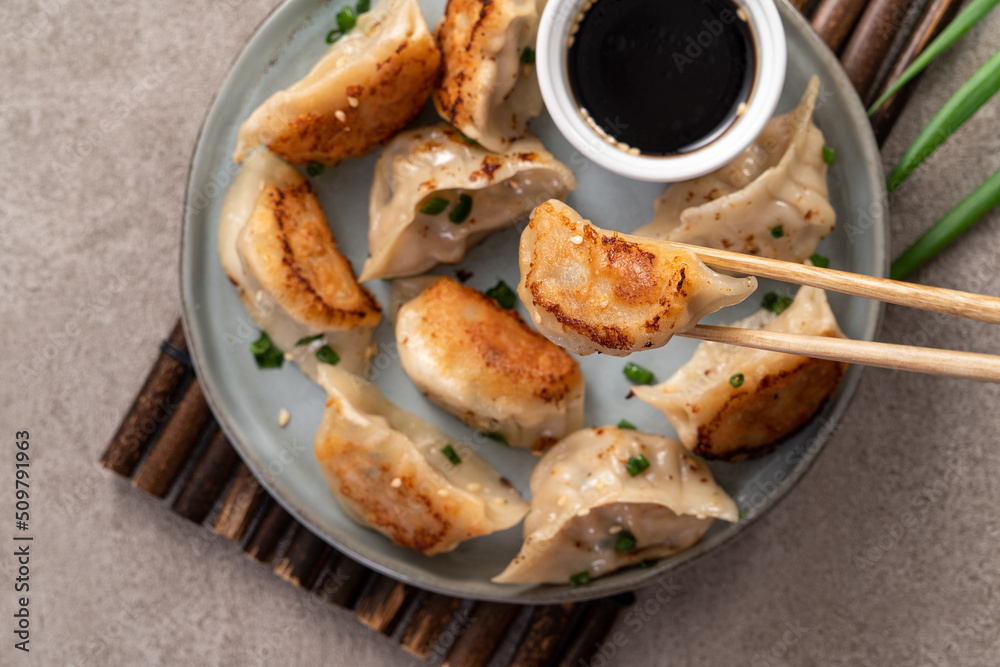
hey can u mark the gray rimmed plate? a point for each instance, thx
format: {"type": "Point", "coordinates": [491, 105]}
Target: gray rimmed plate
{"type": "Point", "coordinates": [247, 400]}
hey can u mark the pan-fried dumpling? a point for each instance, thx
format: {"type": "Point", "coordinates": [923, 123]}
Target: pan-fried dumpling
{"type": "Point", "coordinates": [590, 290]}
{"type": "Point", "coordinates": [370, 84]}
{"type": "Point", "coordinates": [771, 200]}
{"type": "Point", "coordinates": [397, 474]}
{"type": "Point", "coordinates": [489, 89]}
{"type": "Point", "coordinates": [434, 195]}
{"type": "Point", "coordinates": [487, 367]}
{"type": "Point", "coordinates": [605, 498]}
{"type": "Point", "coordinates": [278, 251]}
{"type": "Point", "coordinates": [730, 402]}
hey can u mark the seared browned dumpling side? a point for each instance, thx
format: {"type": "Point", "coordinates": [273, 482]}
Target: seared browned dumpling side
{"type": "Point", "coordinates": [487, 367]}
{"type": "Point", "coordinates": [277, 249]}
{"type": "Point", "coordinates": [489, 90]}
{"type": "Point", "coordinates": [397, 474]}
{"type": "Point", "coordinates": [370, 84]}
{"type": "Point", "coordinates": [732, 402]}
{"type": "Point", "coordinates": [590, 290]}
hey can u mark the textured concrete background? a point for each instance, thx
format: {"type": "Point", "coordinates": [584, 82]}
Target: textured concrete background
{"type": "Point", "coordinates": [100, 108]}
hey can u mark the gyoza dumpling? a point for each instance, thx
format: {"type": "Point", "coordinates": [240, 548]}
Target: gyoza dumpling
{"type": "Point", "coordinates": [489, 89]}
{"type": "Point", "coordinates": [605, 498]}
{"type": "Point", "coordinates": [590, 290]}
{"type": "Point", "coordinates": [434, 195]}
{"type": "Point", "coordinates": [370, 84]}
{"type": "Point", "coordinates": [730, 402]}
{"type": "Point", "coordinates": [394, 472]}
{"type": "Point", "coordinates": [278, 251]}
{"type": "Point", "coordinates": [771, 200]}
{"type": "Point", "coordinates": [487, 367]}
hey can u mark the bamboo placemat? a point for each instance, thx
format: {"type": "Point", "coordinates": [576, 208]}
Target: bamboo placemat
{"type": "Point", "coordinates": [169, 445]}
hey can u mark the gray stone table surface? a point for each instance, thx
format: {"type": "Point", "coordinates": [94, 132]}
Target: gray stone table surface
{"type": "Point", "coordinates": [885, 554]}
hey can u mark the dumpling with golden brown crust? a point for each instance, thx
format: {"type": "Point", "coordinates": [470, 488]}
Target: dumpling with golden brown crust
{"type": "Point", "coordinates": [370, 84]}
{"type": "Point", "coordinates": [489, 90]}
{"type": "Point", "coordinates": [397, 474]}
{"type": "Point", "coordinates": [731, 402]}
{"type": "Point", "coordinates": [590, 290]}
{"type": "Point", "coordinates": [484, 365]}
{"type": "Point", "coordinates": [279, 252]}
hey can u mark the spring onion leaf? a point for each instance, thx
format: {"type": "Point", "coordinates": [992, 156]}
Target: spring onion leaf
{"type": "Point", "coordinates": [503, 295]}
{"type": "Point", "coordinates": [364, 6]}
{"type": "Point", "coordinates": [820, 261]}
{"type": "Point", "coordinates": [580, 579]}
{"type": "Point", "coordinates": [493, 435]}
{"type": "Point", "coordinates": [461, 210]}
{"type": "Point", "coordinates": [469, 140]}
{"type": "Point", "coordinates": [435, 206]}
{"type": "Point", "coordinates": [777, 231]}
{"type": "Point", "coordinates": [326, 355]}
{"type": "Point", "coordinates": [626, 424]}
{"type": "Point", "coordinates": [636, 464]}
{"type": "Point", "coordinates": [962, 23]}
{"type": "Point", "coordinates": [829, 154]}
{"type": "Point", "coordinates": [346, 18]}
{"type": "Point", "coordinates": [450, 454]}
{"type": "Point", "coordinates": [957, 220]}
{"type": "Point", "coordinates": [775, 303]}
{"type": "Point", "coordinates": [307, 340]}
{"type": "Point", "coordinates": [315, 168]}
{"type": "Point", "coordinates": [736, 380]}
{"type": "Point", "coordinates": [637, 373]}
{"type": "Point", "coordinates": [266, 354]}
{"type": "Point", "coordinates": [625, 542]}
{"type": "Point", "coordinates": [528, 56]}
{"type": "Point", "coordinates": [647, 563]}
{"type": "Point", "coordinates": [966, 101]}
{"type": "Point", "coordinates": [333, 36]}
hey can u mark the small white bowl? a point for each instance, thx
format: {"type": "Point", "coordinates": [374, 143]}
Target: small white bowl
{"type": "Point", "coordinates": [769, 76]}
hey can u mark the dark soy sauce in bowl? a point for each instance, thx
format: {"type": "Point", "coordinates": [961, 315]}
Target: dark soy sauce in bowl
{"type": "Point", "coordinates": [662, 77]}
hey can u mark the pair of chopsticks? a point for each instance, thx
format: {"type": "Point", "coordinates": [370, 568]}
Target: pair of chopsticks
{"type": "Point", "coordinates": [949, 363]}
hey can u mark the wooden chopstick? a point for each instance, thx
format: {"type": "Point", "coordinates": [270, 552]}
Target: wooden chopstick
{"type": "Point", "coordinates": [936, 299]}
{"type": "Point", "coordinates": [962, 365]}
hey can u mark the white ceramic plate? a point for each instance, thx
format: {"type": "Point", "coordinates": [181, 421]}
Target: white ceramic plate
{"type": "Point", "coordinates": [247, 400]}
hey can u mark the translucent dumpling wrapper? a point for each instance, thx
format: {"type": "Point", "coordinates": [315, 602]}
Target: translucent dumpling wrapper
{"type": "Point", "coordinates": [369, 85]}
{"type": "Point", "coordinates": [771, 200]}
{"type": "Point", "coordinates": [484, 365]}
{"type": "Point", "coordinates": [397, 474]}
{"type": "Point", "coordinates": [489, 89]}
{"type": "Point", "coordinates": [278, 251]}
{"type": "Point", "coordinates": [590, 513]}
{"type": "Point", "coordinates": [435, 194]}
{"type": "Point", "coordinates": [591, 290]}
{"type": "Point", "coordinates": [730, 402]}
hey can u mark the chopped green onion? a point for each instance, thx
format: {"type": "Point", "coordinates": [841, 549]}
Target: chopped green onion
{"type": "Point", "coordinates": [829, 154]}
{"type": "Point", "coordinates": [435, 206]}
{"type": "Point", "coordinates": [962, 23]}
{"type": "Point", "coordinates": [326, 355]}
{"type": "Point", "coordinates": [736, 380]}
{"type": "Point", "coordinates": [743, 515]}
{"type": "Point", "coordinates": [777, 231]}
{"type": "Point", "coordinates": [626, 424]}
{"type": "Point", "coordinates": [980, 87]}
{"type": "Point", "coordinates": [450, 454]}
{"type": "Point", "coordinates": [636, 464]}
{"type": "Point", "coordinates": [957, 220]}
{"type": "Point", "coordinates": [580, 579]}
{"type": "Point", "coordinates": [625, 542]}
{"type": "Point", "coordinates": [637, 373]}
{"type": "Point", "coordinates": [820, 261]}
{"type": "Point", "coordinates": [461, 210]}
{"type": "Point", "coordinates": [333, 36]}
{"type": "Point", "coordinates": [307, 340]}
{"type": "Point", "coordinates": [647, 563]}
{"type": "Point", "coordinates": [266, 354]}
{"type": "Point", "coordinates": [499, 437]}
{"type": "Point", "coordinates": [315, 168]}
{"type": "Point", "coordinates": [346, 18]}
{"type": "Point", "coordinates": [469, 140]}
{"type": "Point", "coordinates": [775, 303]}
{"type": "Point", "coordinates": [364, 6]}
{"type": "Point", "coordinates": [528, 56]}
{"type": "Point", "coordinates": [503, 295]}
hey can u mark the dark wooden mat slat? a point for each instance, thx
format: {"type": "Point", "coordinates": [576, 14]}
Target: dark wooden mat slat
{"type": "Point", "coordinates": [936, 15]}
{"type": "Point", "coordinates": [833, 20]}
{"type": "Point", "coordinates": [382, 603]}
{"type": "Point", "coordinates": [427, 624]}
{"type": "Point", "coordinates": [488, 624]}
{"type": "Point", "coordinates": [211, 473]}
{"type": "Point", "coordinates": [538, 645]}
{"type": "Point", "coordinates": [171, 451]}
{"type": "Point", "coordinates": [151, 407]}
{"type": "Point", "coordinates": [871, 40]}
{"type": "Point", "coordinates": [588, 634]}
{"type": "Point", "coordinates": [272, 527]}
{"type": "Point", "coordinates": [241, 504]}
{"type": "Point", "coordinates": [343, 582]}
{"type": "Point", "coordinates": [303, 559]}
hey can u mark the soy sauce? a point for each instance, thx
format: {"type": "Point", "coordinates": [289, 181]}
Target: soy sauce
{"type": "Point", "coordinates": [662, 76]}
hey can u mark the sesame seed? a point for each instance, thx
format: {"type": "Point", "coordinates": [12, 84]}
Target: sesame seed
{"type": "Point", "coordinates": [353, 101]}
{"type": "Point", "coordinates": [499, 501]}
{"type": "Point", "coordinates": [396, 483]}
{"type": "Point", "coordinates": [614, 530]}
{"type": "Point", "coordinates": [442, 492]}
{"type": "Point", "coordinates": [562, 501]}
{"type": "Point", "coordinates": [340, 115]}
{"type": "Point", "coordinates": [474, 487]}
{"type": "Point", "coordinates": [741, 109]}
{"type": "Point", "coordinates": [283, 418]}
{"type": "Point", "coordinates": [633, 151]}
{"type": "Point", "coordinates": [576, 240]}
{"type": "Point", "coordinates": [584, 512]}
{"type": "Point", "coordinates": [289, 356]}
